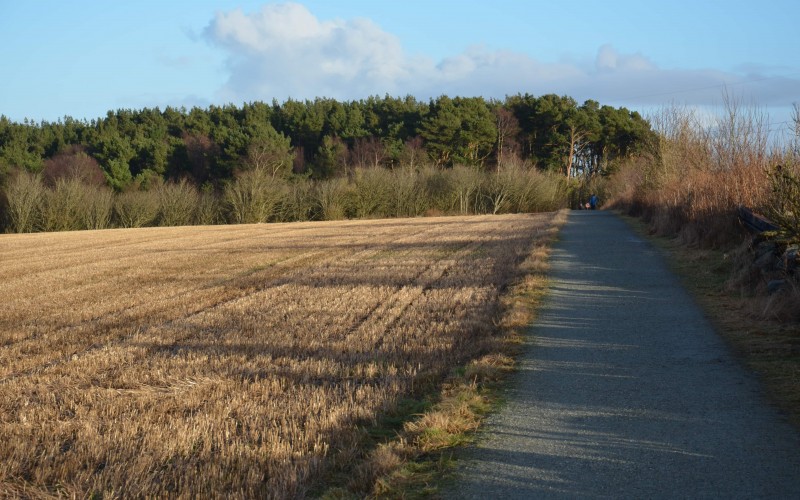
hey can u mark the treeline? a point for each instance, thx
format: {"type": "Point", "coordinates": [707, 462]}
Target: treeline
{"type": "Point", "coordinates": [327, 138]}
{"type": "Point", "coordinates": [211, 150]}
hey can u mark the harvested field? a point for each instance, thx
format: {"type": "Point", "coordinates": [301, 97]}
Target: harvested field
{"type": "Point", "coordinates": [235, 360]}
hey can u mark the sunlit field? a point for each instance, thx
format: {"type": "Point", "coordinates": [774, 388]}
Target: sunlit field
{"type": "Point", "coordinates": [236, 360]}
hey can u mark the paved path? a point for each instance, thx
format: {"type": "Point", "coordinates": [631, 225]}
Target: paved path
{"type": "Point", "coordinates": [626, 392]}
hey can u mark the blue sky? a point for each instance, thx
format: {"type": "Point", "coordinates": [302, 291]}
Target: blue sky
{"type": "Point", "coordinates": [81, 58]}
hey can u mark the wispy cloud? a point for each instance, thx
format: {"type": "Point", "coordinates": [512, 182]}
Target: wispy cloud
{"type": "Point", "coordinates": [283, 51]}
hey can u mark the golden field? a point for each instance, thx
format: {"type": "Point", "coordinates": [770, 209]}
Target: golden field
{"type": "Point", "coordinates": [232, 360]}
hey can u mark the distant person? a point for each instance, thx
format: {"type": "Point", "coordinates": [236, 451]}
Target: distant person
{"type": "Point", "coordinates": [593, 202]}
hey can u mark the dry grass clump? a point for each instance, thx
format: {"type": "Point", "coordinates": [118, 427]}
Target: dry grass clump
{"type": "Point", "coordinates": [240, 361]}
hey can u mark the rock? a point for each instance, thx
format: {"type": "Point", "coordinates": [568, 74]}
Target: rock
{"type": "Point", "coordinates": [767, 261]}
{"type": "Point", "coordinates": [790, 259]}
{"type": "Point", "coordinates": [765, 248]}
{"type": "Point", "coordinates": [775, 286]}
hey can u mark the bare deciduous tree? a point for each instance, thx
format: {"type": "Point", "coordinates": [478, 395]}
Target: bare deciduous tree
{"type": "Point", "coordinates": [73, 163]}
{"type": "Point", "coordinates": [136, 208]}
{"type": "Point", "coordinates": [507, 131]}
{"type": "Point", "coordinates": [24, 196]}
{"type": "Point", "coordinates": [177, 203]}
{"type": "Point", "coordinates": [368, 152]}
{"type": "Point", "coordinates": [253, 196]}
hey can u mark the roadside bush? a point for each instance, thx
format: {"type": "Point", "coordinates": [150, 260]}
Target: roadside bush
{"type": "Point", "coordinates": [540, 192]}
{"type": "Point", "coordinates": [513, 188]}
{"type": "Point", "coordinates": [697, 175]}
{"type": "Point", "coordinates": [692, 184]}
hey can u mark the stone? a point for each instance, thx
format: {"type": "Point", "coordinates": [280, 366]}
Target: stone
{"type": "Point", "coordinates": [775, 286]}
{"type": "Point", "coordinates": [790, 259]}
{"type": "Point", "coordinates": [764, 248]}
{"type": "Point", "coordinates": [767, 262]}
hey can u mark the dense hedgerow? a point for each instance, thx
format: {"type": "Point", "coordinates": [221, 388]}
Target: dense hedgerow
{"type": "Point", "coordinates": [260, 195]}
{"type": "Point", "coordinates": [696, 177]}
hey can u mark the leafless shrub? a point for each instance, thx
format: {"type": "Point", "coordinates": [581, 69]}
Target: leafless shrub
{"type": "Point", "coordinates": [467, 185]}
{"type": "Point", "coordinates": [513, 188]}
{"type": "Point", "coordinates": [99, 208]}
{"type": "Point", "coordinates": [65, 206]}
{"type": "Point", "coordinates": [699, 173]}
{"type": "Point", "coordinates": [408, 194]}
{"type": "Point", "coordinates": [208, 209]}
{"type": "Point", "coordinates": [24, 196]}
{"type": "Point", "coordinates": [500, 188]}
{"type": "Point", "coordinates": [177, 203]}
{"type": "Point", "coordinates": [299, 203]}
{"type": "Point", "coordinates": [332, 197]}
{"type": "Point", "coordinates": [136, 208]}
{"type": "Point", "coordinates": [372, 191]}
{"type": "Point", "coordinates": [254, 196]}
{"type": "Point", "coordinates": [438, 186]}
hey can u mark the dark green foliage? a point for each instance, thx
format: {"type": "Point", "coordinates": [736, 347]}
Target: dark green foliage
{"type": "Point", "coordinates": [210, 145]}
{"type": "Point", "coordinates": [785, 207]}
{"type": "Point", "coordinates": [459, 131]}
{"type": "Point", "coordinates": [139, 150]}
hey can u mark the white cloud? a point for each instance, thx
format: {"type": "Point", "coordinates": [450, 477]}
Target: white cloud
{"type": "Point", "coordinates": [283, 51]}
{"type": "Point", "coordinates": [609, 60]}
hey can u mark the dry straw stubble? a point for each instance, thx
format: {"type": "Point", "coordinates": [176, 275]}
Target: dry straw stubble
{"type": "Point", "coordinates": [232, 360]}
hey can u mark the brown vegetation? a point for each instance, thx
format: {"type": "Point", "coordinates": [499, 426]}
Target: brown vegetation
{"type": "Point", "coordinates": [688, 191]}
{"type": "Point", "coordinates": [696, 177]}
{"type": "Point", "coordinates": [698, 174]}
{"type": "Point", "coordinates": [264, 192]}
{"type": "Point", "coordinates": [235, 360]}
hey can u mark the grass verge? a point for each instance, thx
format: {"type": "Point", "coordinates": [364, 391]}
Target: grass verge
{"type": "Point", "coordinates": [769, 346]}
{"type": "Point", "coordinates": [410, 451]}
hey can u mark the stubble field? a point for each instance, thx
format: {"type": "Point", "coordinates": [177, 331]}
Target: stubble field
{"type": "Point", "coordinates": [235, 360]}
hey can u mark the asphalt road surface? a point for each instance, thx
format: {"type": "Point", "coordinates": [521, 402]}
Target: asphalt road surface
{"type": "Point", "coordinates": [625, 391]}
